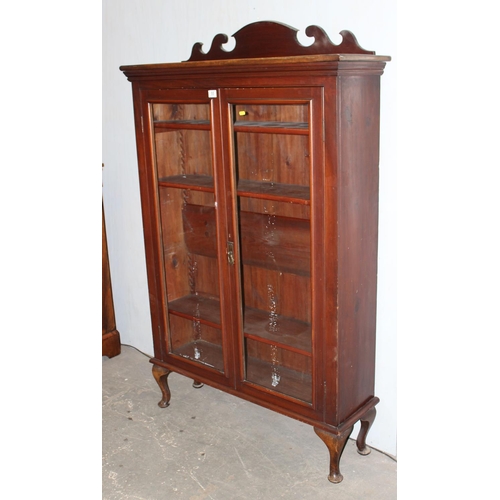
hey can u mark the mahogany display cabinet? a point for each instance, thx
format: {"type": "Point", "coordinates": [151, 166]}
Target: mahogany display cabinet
{"type": "Point", "coordinates": [259, 185]}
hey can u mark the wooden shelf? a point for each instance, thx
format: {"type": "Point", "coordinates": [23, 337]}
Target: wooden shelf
{"type": "Point", "coordinates": [292, 383]}
{"type": "Point", "coordinates": [209, 354]}
{"type": "Point", "coordinates": [169, 125]}
{"type": "Point", "coordinates": [294, 128]}
{"type": "Point", "coordinates": [191, 181]}
{"type": "Point", "coordinates": [197, 307]}
{"type": "Point", "coordinates": [288, 193]}
{"type": "Point", "coordinates": [291, 334]}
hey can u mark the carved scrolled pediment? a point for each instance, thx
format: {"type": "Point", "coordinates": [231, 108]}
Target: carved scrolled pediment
{"type": "Point", "coordinates": [272, 39]}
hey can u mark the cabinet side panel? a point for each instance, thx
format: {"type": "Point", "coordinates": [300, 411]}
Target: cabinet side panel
{"type": "Point", "coordinates": [359, 104]}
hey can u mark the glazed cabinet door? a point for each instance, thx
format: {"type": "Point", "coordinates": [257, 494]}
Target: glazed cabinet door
{"type": "Point", "coordinates": [274, 138]}
{"type": "Point", "coordinates": [184, 187]}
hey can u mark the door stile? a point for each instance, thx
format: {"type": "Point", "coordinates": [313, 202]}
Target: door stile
{"type": "Point", "coordinates": [233, 274]}
{"type": "Point", "coordinates": [223, 196]}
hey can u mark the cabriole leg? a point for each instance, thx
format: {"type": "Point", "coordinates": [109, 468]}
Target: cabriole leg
{"type": "Point", "coordinates": [335, 444]}
{"type": "Point", "coordinates": [366, 423]}
{"type": "Point", "coordinates": [161, 374]}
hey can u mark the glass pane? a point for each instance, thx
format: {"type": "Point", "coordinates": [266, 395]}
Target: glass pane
{"type": "Point", "coordinates": [183, 148]}
{"type": "Point", "coordinates": [273, 113]}
{"type": "Point", "coordinates": [278, 369]}
{"type": "Point", "coordinates": [272, 159]}
{"type": "Point", "coordinates": [188, 223]}
{"type": "Point", "coordinates": [276, 282]}
{"type": "Point", "coordinates": [184, 112]}
{"type": "Point", "coordinates": [196, 341]}
{"type": "Point", "coordinates": [183, 153]}
{"type": "Point", "coordinates": [275, 235]}
{"type": "Point", "coordinates": [274, 214]}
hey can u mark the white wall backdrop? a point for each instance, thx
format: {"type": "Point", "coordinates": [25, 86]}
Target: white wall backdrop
{"type": "Point", "coordinates": [154, 31]}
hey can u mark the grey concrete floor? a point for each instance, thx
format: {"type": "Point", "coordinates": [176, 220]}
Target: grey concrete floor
{"type": "Point", "coordinates": [211, 445]}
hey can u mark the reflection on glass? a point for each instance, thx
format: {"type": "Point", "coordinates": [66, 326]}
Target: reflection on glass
{"type": "Point", "coordinates": [192, 274]}
{"type": "Point", "coordinates": [274, 214]}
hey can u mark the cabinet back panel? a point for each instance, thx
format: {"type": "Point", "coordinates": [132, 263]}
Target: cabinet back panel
{"type": "Point", "coordinates": [175, 254]}
{"type": "Point", "coordinates": [279, 370]}
{"type": "Point", "coordinates": [276, 158]}
{"type": "Point", "coordinates": [185, 331]}
{"type": "Point", "coordinates": [206, 276]}
{"type": "Point", "coordinates": [287, 294]}
{"type": "Point", "coordinates": [278, 356]}
{"type": "Point", "coordinates": [262, 206]}
{"type": "Point", "coordinates": [296, 113]}
{"type": "Point", "coordinates": [188, 271]}
{"type": "Point", "coordinates": [183, 152]}
{"type": "Point", "coordinates": [200, 229]}
{"type": "Point", "coordinates": [273, 242]}
{"type": "Point", "coordinates": [180, 112]}
{"type": "Point", "coordinates": [195, 341]}
{"type": "Point", "coordinates": [278, 243]}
